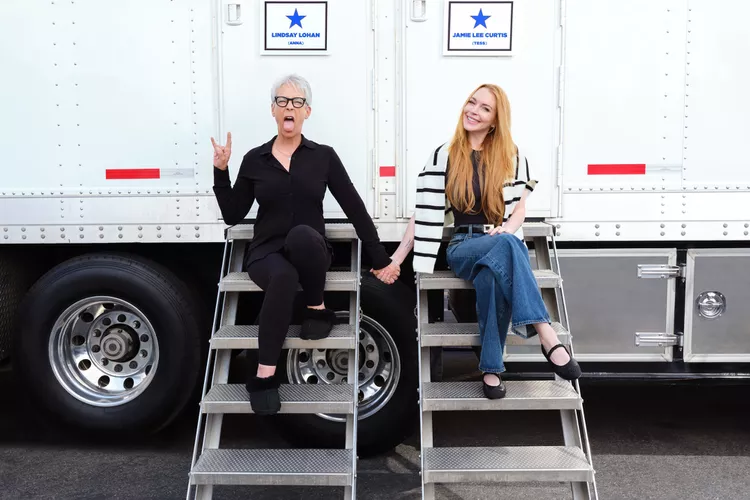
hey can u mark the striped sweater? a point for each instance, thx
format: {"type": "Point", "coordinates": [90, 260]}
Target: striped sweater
{"type": "Point", "coordinates": [434, 212]}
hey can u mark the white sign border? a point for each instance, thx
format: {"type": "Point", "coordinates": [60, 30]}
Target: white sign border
{"type": "Point", "coordinates": [476, 52]}
{"type": "Point", "coordinates": [291, 51]}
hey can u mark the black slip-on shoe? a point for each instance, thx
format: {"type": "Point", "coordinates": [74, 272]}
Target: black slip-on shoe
{"type": "Point", "coordinates": [317, 324]}
{"type": "Point", "coordinates": [493, 391]}
{"type": "Point", "coordinates": [568, 371]}
{"type": "Point", "coordinates": [264, 395]}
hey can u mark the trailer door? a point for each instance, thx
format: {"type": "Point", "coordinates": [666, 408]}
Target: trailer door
{"type": "Point", "coordinates": [436, 81]}
{"type": "Point", "coordinates": [329, 44]}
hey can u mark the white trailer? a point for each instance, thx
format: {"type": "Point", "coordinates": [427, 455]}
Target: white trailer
{"type": "Point", "coordinates": [633, 115]}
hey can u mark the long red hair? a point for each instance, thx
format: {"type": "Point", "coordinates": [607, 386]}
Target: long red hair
{"type": "Point", "coordinates": [496, 161]}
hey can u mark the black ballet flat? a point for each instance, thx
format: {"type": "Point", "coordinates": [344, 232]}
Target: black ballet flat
{"type": "Point", "coordinates": [317, 324]}
{"type": "Point", "coordinates": [264, 395]}
{"type": "Point", "coordinates": [568, 371]}
{"type": "Point", "coordinates": [493, 391]}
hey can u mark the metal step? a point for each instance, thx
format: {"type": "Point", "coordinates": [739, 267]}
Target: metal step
{"type": "Point", "coordinates": [295, 398]}
{"type": "Point", "coordinates": [504, 464]}
{"type": "Point", "coordinates": [340, 232]}
{"type": "Point", "coordinates": [297, 467]}
{"type": "Point", "coordinates": [447, 280]}
{"type": "Point", "coordinates": [520, 395]}
{"type": "Point", "coordinates": [336, 281]}
{"type": "Point", "coordinates": [537, 230]}
{"type": "Point", "coordinates": [246, 337]}
{"type": "Point", "coordinates": [467, 334]}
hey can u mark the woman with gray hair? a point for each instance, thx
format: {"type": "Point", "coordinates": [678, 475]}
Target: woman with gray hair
{"type": "Point", "coordinates": [288, 175]}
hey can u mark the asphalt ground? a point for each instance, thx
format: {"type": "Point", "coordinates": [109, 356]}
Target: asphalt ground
{"type": "Point", "coordinates": [650, 441]}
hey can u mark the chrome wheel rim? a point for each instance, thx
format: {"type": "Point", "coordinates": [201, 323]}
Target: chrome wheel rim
{"type": "Point", "coordinates": [379, 367]}
{"type": "Point", "coordinates": [103, 351]}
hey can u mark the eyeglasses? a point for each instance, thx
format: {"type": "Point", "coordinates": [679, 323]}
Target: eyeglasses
{"type": "Point", "coordinates": [297, 102]}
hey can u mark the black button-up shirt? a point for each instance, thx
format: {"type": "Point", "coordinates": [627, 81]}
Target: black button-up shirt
{"type": "Point", "coordinates": [290, 198]}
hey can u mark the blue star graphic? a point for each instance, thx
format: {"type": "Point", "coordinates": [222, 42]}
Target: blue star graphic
{"type": "Point", "coordinates": [480, 19]}
{"type": "Point", "coordinates": [297, 19]}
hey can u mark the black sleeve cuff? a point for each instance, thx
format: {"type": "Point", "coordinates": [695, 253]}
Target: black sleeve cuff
{"type": "Point", "coordinates": [378, 256]}
{"type": "Point", "coordinates": [221, 177]}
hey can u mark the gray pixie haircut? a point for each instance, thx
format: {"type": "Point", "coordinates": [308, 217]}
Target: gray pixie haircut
{"type": "Point", "coordinates": [295, 81]}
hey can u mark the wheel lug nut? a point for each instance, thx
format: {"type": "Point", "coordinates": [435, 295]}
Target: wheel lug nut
{"type": "Point", "coordinates": [118, 368]}
{"type": "Point", "coordinates": [144, 353]}
{"type": "Point", "coordinates": [144, 338]}
{"type": "Point", "coordinates": [95, 348]}
{"type": "Point", "coordinates": [97, 333]}
{"type": "Point", "coordinates": [133, 365]}
{"type": "Point", "coordinates": [105, 362]}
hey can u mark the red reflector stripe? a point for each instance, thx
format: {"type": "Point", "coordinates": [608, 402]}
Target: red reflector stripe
{"type": "Point", "coordinates": [388, 171]}
{"type": "Point", "coordinates": [618, 169]}
{"type": "Point", "coordinates": [133, 173]}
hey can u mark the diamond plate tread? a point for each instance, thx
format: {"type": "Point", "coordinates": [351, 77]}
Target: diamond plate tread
{"type": "Point", "coordinates": [467, 334]}
{"type": "Point", "coordinates": [339, 232]}
{"type": "Point", "coordinates": [299, 467]}
{"type": "Point", "coordinates": [246, 337]}
{"type": "Point", "coordinates": [295, 398]}
{"type": "Point", "coordinates": [336, 281]}
{"type": "Point", "coordinates": [503, 464]}
{"type": "Point", "coordinates": [447, 280]}
{"type": "Point", "coordinates": [520, 395]}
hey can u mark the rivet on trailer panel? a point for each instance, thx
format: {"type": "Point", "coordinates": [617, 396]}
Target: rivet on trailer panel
{"type": "Point", "coordinates": [726, 225]}
{"type": "Point", "coordinates": [140, 235]}
{"type": "Point", "coordinates": [725, 233]}
{"type": "Point", "coordinates": [23, 237]}
{"type": "Point", "coordinates": [80, 236]}
{"type": "Point", "coordinates": [101, 236]}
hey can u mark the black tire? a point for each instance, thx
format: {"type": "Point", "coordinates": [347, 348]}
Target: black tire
{"type": "Point", "coordinates": [164, 300]}
{"type": "Point", "coordinates": [393, 308]}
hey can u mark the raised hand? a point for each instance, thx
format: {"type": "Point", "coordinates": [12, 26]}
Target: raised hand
{"type": "Point", "coordinates": [388, 274]}
{"type": "Point", "coordinates": [222, 153]}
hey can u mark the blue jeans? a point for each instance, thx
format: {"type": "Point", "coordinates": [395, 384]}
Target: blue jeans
{"type": "Point", "coordinates": [507, 291]}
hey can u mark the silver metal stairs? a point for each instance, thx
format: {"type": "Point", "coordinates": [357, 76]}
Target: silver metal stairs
{"type": "Point", "coordinates": [571, 463]}
{"type": "Point", "coordinates": [213, 465]}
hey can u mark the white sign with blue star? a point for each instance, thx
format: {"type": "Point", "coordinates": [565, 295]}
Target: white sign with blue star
{"type": "Point", "coordinates": [478, 28]}
{"type": "Point", "coordinates": [295, 27]}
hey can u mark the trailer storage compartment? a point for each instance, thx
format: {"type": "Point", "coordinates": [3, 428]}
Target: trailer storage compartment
{"type": "Point", "coordinates": [717, 316]}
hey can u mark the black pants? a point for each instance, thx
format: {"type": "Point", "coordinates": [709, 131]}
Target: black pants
{"type": "Point", "coordinates": [303, 261]}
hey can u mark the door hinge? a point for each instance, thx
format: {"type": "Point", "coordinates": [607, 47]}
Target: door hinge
{"type": "Point", "coordinates": [661, 271]}
{"type": "Point", "coordinates": [658, 339]}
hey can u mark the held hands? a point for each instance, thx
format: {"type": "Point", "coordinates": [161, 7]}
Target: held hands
{"type": "Point", "coordinates": [388, 274]}
{"type": "Point", "coordinates": [222, 153]}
